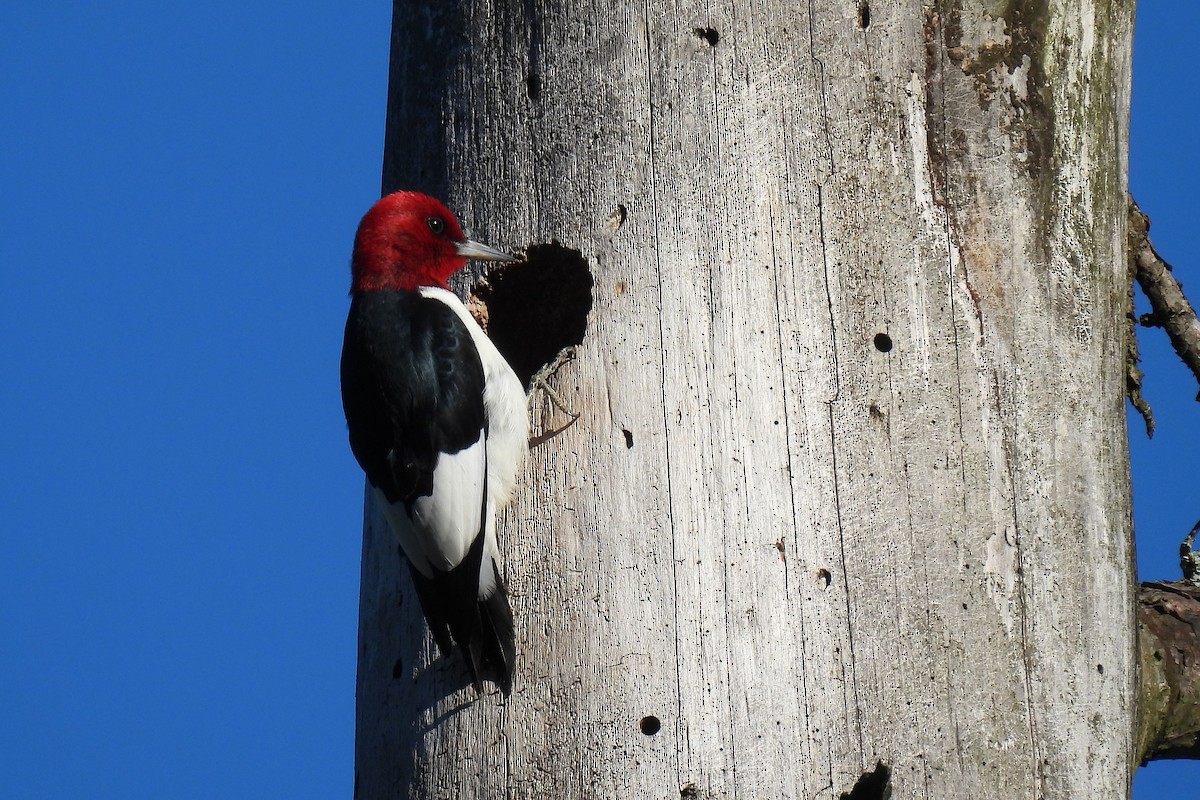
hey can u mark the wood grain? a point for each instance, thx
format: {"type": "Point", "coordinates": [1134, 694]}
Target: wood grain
{"type": "Point", "coordinates": [850, 483]}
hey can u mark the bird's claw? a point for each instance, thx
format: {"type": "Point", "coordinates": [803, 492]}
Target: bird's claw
{"type": "Point", "coordinates": [541, 380]}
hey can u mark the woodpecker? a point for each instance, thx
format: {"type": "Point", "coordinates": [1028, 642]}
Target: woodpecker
{"type": "Point", "coordinates": [437, 421]}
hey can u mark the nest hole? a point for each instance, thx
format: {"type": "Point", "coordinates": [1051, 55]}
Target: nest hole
{"type": "Point", "coordinates": [873, 785]}
{"type": "Point", "coordinates": [537, 307]}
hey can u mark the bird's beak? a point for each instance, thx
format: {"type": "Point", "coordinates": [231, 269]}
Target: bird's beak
{"type": "Point", "coordinates": [472, 249]}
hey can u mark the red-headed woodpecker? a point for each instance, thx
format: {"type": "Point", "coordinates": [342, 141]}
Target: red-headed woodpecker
{"type": "Point", "coordinates": [437, 420]}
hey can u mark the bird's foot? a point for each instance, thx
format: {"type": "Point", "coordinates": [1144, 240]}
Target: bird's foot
{"type": "Point", "coordinates": [541, 380]}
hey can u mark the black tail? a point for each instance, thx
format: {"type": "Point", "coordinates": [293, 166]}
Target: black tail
{"type": "Point", "coordinates": [483, 629]}
{"type": "Point", "coordinates": [499, 640]}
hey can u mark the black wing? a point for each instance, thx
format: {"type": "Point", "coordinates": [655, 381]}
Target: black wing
{"type": "Point", "coordinates": [412, 390]}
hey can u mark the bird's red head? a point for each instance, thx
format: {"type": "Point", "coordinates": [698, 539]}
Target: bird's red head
{"type": "Point", "coordinates": [408, 240]}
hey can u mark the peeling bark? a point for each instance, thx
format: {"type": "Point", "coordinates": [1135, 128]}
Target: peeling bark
{"type": "Point", "coordinates": [1133, 374]}
{"type": "Point", "coordinates": [1170, 307]}
{"type": "Point", "coordinates": [1169, 651]}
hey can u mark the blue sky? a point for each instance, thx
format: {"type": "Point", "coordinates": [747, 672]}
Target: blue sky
{"type": "Point", "coordinates": [1164, 176]}
{"type": "Point", "coordinates": [179, 578]}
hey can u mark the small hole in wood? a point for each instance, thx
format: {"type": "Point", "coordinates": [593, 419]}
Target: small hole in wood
{"type": "Point", "coordinates": [709, 35]}
{"type": "Point", "coordinates": [650, 725]}
{"type": "Point", "coordinates": [628, 438]}
{"type": "Point", "coordinates": [1158, 656]}
{"type": "Point", "coordinates": [883, 342]}
{"type": "Point", "coordinates": [689, 792]}
{"type": "Point", "coordinates": [823, 578]}
{"type": "Point", "coordinates": [533, 86]}
{"type": "Point", "coordinates": [1100, 668]}
{"type": "Point", "coordinates": [864, 15]}
{"type": "Point", "coordinates": [616, 217]}
{"type": "Point", "coordinates": [397, 669]}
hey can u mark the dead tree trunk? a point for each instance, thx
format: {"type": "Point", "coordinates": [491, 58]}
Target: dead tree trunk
{"type": "Point", "coordinates": [850, 485]}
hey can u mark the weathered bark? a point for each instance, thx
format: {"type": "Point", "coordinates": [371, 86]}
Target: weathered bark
{"type": "Point", "coordinates": [849, 493]}
{"type": "Point", "coordinates": [1169, 647]}
{"type": "Point", "coordinates": [1136, 239]}
{"type": "Point", "coordinates": [1170, 308]}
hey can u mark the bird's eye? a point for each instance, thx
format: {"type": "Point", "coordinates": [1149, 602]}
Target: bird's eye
{"type": "Point", "coordinates": [436, 225]}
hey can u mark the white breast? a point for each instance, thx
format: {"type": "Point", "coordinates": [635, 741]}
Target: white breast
{"type": "Point", "coordinates": [504, 401]}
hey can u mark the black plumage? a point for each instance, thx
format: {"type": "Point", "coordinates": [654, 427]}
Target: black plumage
{"type": "Point", "coordinates": [413, 391]}
{"type": "Point", "coordinates": [412, 388]}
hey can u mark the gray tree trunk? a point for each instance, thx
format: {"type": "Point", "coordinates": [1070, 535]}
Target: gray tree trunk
{"type": "Point", "coordinates": [850, 485]}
